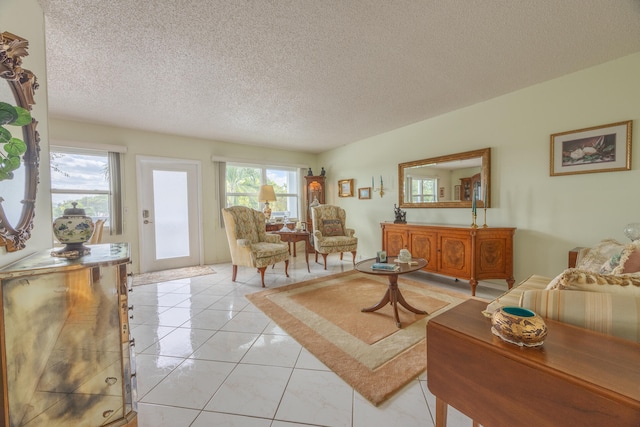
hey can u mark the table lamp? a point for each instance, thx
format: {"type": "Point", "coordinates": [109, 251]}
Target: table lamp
{"type": "Point", "coordinates": [266, 195]}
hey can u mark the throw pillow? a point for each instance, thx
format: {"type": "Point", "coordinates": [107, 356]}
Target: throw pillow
{"type": "Point", "coordinates": [576, 279]}
{"type": "Point", "coordinates": [599, 254]}
{"type": "Point", "coordinates": [629, 261]}
{"type": "Point", "coordinates": [332, 227]}
{"type": "Point", "coordinates": [610, 314]}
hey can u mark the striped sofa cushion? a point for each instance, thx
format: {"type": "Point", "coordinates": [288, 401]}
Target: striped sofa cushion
{"type": "Point", "coordinates": [608, 313]}
{"type": "Point", "coordinates": [512, 296]}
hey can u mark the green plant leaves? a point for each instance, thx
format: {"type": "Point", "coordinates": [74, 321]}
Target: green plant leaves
{"type": "Point", "coordinates": [15, 147]}
{"type": "Point", "coordinates": [8, 114]}
{"type": "Point", "coordinates": [5, 135]}
{"type": "Point", "coordinates": [12, 148]}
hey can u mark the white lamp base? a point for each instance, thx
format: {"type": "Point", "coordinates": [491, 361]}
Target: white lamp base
{"type": "Point", "coordinates": [266, 211]}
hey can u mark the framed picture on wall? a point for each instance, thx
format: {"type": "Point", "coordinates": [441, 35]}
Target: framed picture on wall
{"type": "Point", "coordinates": [605, 148]}
{"type": "Point", "coordinates": [345, 188]}
{"type": "Point", "coordinates": [364, 193]}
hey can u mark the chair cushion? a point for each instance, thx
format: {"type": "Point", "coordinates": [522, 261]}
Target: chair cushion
{"type": "Point", "coordinates": [265, 253]}
{"type": "Point", "coordinates": [332, 227]}
{"type": "Point", "coordinates": [337, 244]}
{"type": "Point", "coordinates": [611, 314]}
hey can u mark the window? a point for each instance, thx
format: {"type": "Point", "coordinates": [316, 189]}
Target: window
{"type": "Point", "coordinates": [243, 182]}
{"type": "Point", "coordinates": [424, 190]}
{"type": "Point", "coordinates": [91, 178]}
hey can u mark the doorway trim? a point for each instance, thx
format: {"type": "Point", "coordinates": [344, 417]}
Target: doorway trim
{"type": "Point", "coordinates": [142, 159]}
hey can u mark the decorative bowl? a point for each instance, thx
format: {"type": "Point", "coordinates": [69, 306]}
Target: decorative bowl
{"type": "Point", "coordinates": [519, 326]}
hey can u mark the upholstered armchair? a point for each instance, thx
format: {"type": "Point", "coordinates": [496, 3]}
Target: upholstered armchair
{"type": "Point", "coordinates": [249, 243]}
{"type": "Point", "coordinates": [330, 234]}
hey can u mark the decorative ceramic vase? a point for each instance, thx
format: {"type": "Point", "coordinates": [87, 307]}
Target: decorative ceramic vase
{"type": "Point", "coordinates": [519, 326]}
{"type": "Point", "coordinates": [632, 231]}
{"type": "Point", "coordinates": [404, 256]}
{"type": "Point", "coordinates": [73, 229]}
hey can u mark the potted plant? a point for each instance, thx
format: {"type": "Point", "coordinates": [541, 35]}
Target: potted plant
{"type": "Point", "coordinates": [12, 148]}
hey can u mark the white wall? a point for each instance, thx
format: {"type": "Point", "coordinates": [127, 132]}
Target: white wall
{"type": "Point", "coordinates": [552, 214]}
{"type": "Point", "coordinates": [25, 19]}
{"type": "Point", "coordinates": [216, 248]}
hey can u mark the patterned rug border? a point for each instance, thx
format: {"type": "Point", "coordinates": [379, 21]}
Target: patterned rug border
{"type": "Point", "coordinates": [172, 274]}
{"type": "Point", "coordinates": [375, 385]}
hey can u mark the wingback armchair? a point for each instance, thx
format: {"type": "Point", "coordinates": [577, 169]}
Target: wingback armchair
{"type": "Point", "coordinates": [330, 234]}
{"type": "Point", "coordinates": [249, 243]}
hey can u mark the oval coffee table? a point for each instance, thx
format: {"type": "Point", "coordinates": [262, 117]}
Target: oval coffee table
{"type": "Point", "coordinates": [393, 295]}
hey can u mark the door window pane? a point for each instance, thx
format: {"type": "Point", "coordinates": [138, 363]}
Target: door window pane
{"type": "Point", "coordinates": [171, 214]}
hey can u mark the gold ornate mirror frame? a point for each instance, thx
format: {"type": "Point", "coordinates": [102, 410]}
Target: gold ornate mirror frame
{"type": "Point", "coordinates": [459, 176]}
{"type": "Point", "coordinates": [23, 84]}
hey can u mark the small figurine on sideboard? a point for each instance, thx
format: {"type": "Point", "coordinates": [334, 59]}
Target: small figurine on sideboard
{"type": "Point", "coordinates": [401, 216]}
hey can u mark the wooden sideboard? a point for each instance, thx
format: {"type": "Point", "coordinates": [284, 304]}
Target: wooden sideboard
{"type": "Point", "coordinates": [576, 378]}
{"type": "Point", "coordinates": [65, 345]}
{"type": "Point", "coordinates": [462, 252]}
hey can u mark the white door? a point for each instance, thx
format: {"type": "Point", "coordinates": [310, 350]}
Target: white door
{"type": "Point", "coordinates": [168, 213]}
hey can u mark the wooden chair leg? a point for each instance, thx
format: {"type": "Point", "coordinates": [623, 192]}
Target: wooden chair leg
{"type": "Point", "coordinates": [234, 274]}
{"type": "Point", "coordinates": [325, 260]}
{"type": "Point", "coordinates": [340, 256]}
{"type": "Point", "coordinates": [262, 269]}
{"type": "Point", "coordinates": [354, 257]}
{"type": "Point", "coordinates": [286, 268]}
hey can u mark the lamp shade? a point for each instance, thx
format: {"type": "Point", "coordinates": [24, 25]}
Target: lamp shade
{"type": "Point", "coordinates": [266, 194]}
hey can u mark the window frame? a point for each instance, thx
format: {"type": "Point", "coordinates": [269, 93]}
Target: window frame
{"type": "Point", "coordinates": [264, 168]}
{"type": "Point", "coordinates": [420, 196]}
{"type": "Point", "coordinates": [114, 192]}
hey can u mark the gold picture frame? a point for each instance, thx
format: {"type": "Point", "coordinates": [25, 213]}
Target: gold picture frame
{"type": "Point", "coordinates": [364, 193]}
{"type": "Point", "coordinates": [604, 148]}
{"type": "Point", "coordinates": [345, 188]}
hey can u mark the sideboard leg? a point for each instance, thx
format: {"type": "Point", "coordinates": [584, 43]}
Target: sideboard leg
{"type": "Point", "coordinates": [473, 283]}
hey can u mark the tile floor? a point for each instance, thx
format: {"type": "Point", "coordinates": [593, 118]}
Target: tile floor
{"type": "Point", "coordinates": [207, 357]}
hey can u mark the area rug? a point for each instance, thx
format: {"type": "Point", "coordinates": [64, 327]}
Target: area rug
{"type": "Point", "coordinates": [367, 350]}
{"type": "Point", "coordinates": [174, 274]}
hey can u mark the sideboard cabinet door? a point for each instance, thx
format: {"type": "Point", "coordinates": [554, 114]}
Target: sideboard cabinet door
{"type": "Point", "coordinates": [394, 241]}
{"type": "Point", "coordinates": [424, 244]}
{"type": "Point", "coordinates": [455, 254]}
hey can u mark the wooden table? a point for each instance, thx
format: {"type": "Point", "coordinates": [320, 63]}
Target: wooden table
{"type": "Point", "coordinates": [576, 378]}
{"type": "Point", "coordinates": [295, 236]}
{"type": "Point", "coordinates": [277, 226]}
{"type": "Point", "coordinates": [392, 295]}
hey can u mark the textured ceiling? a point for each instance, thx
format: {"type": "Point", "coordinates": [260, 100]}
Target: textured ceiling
{"type": "Point", "coordinates": [313, 75]}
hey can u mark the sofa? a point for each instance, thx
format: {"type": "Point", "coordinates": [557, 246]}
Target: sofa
{"type": "Point", "coordinates": [601, 292]}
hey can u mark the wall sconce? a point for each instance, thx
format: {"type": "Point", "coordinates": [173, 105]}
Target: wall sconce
{"type": "Point", "coordinates": [379, 189]}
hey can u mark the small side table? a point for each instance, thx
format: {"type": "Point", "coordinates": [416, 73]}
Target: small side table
{"type": "Point", "coordinates": [295, 236]}
{"type": "Point", "coordinates": [393, 295]}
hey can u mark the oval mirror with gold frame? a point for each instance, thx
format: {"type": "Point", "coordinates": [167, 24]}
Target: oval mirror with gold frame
{"type": "Point", "coordinates": [450, 181]}
{"type": "Point", "coordinates": [18, 194]}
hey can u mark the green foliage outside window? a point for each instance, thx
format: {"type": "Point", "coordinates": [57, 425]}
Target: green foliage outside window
{"type": "Point", "coordinates": [94, 206]}
{"type": "Point", "coordinates": [242, 187]}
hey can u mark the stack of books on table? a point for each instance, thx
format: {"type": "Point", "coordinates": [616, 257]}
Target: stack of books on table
{"type": "Point", "coordinates": [383, 266]}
